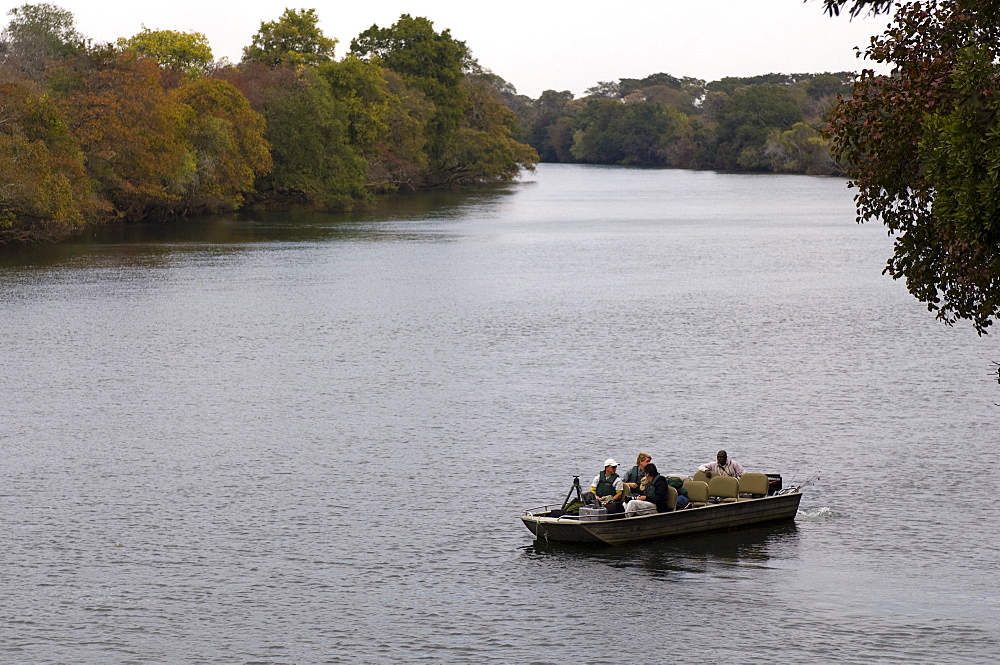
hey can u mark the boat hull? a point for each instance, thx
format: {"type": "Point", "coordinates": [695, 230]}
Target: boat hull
{"type": "Point", "coordinates": [711, 517]}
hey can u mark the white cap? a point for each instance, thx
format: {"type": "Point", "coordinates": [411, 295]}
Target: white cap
{"type": "Point", "coordinates": [610, 462]}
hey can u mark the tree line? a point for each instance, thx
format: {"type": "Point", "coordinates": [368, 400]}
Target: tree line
{"type": "Point", "coordinates": [152, 127]}
{"type": "Point", "coordinates": [773, 122]}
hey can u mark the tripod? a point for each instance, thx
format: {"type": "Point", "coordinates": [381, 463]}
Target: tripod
{"type": "Point", "coordinates": [574, 487]}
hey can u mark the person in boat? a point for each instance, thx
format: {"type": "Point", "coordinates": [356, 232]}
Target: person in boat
{"type": "Point", "coordinates": [655, 499]}
{"type": "Point", "coordinates": [723, 466]}
{"type": "Point", "coordinates": [636, 476]}
{"type": "Point", "coordinates": [608, 487]}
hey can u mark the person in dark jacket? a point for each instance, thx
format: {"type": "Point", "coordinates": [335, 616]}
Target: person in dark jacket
{"type": "Point", "coordinates": [655, 498]}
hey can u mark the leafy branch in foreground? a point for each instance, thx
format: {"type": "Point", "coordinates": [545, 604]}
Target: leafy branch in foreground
{"type": "Point", "coordinates": [922, 146]}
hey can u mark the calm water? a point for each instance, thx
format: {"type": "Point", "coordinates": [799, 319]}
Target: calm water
{"type": "Point", "coordinates": [306, 439]}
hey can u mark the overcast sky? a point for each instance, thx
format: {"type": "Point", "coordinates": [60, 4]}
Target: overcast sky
{"type": "Point", "coordinates": [542, 44]}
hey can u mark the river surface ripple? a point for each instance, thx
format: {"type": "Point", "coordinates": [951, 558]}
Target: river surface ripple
{"type": "Point", "coordinates": [280, 438]}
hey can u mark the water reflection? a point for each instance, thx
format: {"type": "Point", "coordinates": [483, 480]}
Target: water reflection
{"type": "Point", "coordinates": [404, 218]}
{"type": "Point", "coordinates": [694, 554]}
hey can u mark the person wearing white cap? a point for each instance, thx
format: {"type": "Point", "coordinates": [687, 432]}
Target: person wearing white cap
{"type": "Point", "coordinates": [608, 487]}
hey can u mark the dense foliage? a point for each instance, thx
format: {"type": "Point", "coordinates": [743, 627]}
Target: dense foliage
{"type": "Point", "coordinates": [187, 52]}
{"type": "Point", "coordinates": [152, 127]}
{"type": "Point", "coordinates": [773, 122]}
{"type": "Point", "coordinates": [922, 146]}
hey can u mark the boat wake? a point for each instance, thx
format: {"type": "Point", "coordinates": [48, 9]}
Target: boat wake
{"type": "Point", "coordinates": [819, 514]}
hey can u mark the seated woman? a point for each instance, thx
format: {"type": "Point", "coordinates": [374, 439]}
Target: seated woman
{"type": "Point", "coordinates": [654, 500]}
{"type": "Point", "coordinates": [637, 474]}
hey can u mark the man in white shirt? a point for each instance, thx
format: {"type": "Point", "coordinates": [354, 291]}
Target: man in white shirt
{"type": "Point", "coordinates": [723, 466]}
{"type": "Point", "coordinates": [608, 486]}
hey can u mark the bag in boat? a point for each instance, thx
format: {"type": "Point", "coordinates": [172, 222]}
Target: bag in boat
{"type": "Point", "coordinates": [677, 484]}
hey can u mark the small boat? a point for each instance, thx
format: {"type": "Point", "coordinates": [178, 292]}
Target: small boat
{"type": "Point", "coordinates": [549, 523]}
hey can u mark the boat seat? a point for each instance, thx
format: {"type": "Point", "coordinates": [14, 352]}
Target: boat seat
{"type": "Point", "coordinates": [671, 498]}
{"type": "Point", "coordinates": [697, 492]}
{"type": "Point", "coordinates": [724, 488]}
{"type": "Point", "coordinates": [700, 475]}
{"type": "Point", "coordinates": [753, 486]}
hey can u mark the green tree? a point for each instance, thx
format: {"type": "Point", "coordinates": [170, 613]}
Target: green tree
{"type": "Point", "coordinates": [745, 121]}
{"type": "Point", "coordinates": [591, 140]}
{"type": "Point", "coordinates": [801, 149]}
{"type": "Point", "coordinates": [484, 149]}
{"type": "Point", "coordinates": [307, 128]}
{"type": "Point", "coordinates": [559, 136]}
{"type": "Point", "coordinates": [386, 122]}
{"type": "Point", "coordinates": [402, 161]}
{"type": "Point", "coordinates": [428, 61]}
{"type": "Point", "coordinates": [921, 146]}
{"type": "Point", "coordinates": [187, 52]}
{"type": "Point", "coordinates": [731, 84]}
{"type": "Point", "coordinates": [362, 89]}
{"type": "Point", "coordinates": [545, 112]}
{"type": "Point", "coordinates": [828, 85]}
{"type": "Point", "coordinates": [675, 98]}
{"type": "Point", "coordinates": [38, 34]}
{"type": "Point", "coordinates": [294, 39]}
{"type": "Point", "coordinates": [625, 86]}
{"type": "Point", "coordinates": [633, 134]}
{"type": "Point", "coordinates": [605, 90]}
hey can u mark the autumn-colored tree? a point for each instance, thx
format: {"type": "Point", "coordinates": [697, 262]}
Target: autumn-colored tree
{"type": "Point", "coordinates": [922, 146]}
{"type": "Point", "coordinates": [44, 189]}
{"type": "Point", "coordinates": [226, 139]}
{"type": "Point", "coordinates": [131, 133]}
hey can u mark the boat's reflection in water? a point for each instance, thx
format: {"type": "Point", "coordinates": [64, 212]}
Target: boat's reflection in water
{"type": "Point", "coordinates": [713, 552]}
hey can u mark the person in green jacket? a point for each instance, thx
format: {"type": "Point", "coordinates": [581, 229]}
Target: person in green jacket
{"type": "Point", "coordinates": [607, 487]}
{"type": "Point", "coordinates": [635, 476]}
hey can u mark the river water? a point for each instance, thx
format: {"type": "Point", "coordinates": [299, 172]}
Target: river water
{"type": "Point", "coordinates": [280, 438]}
